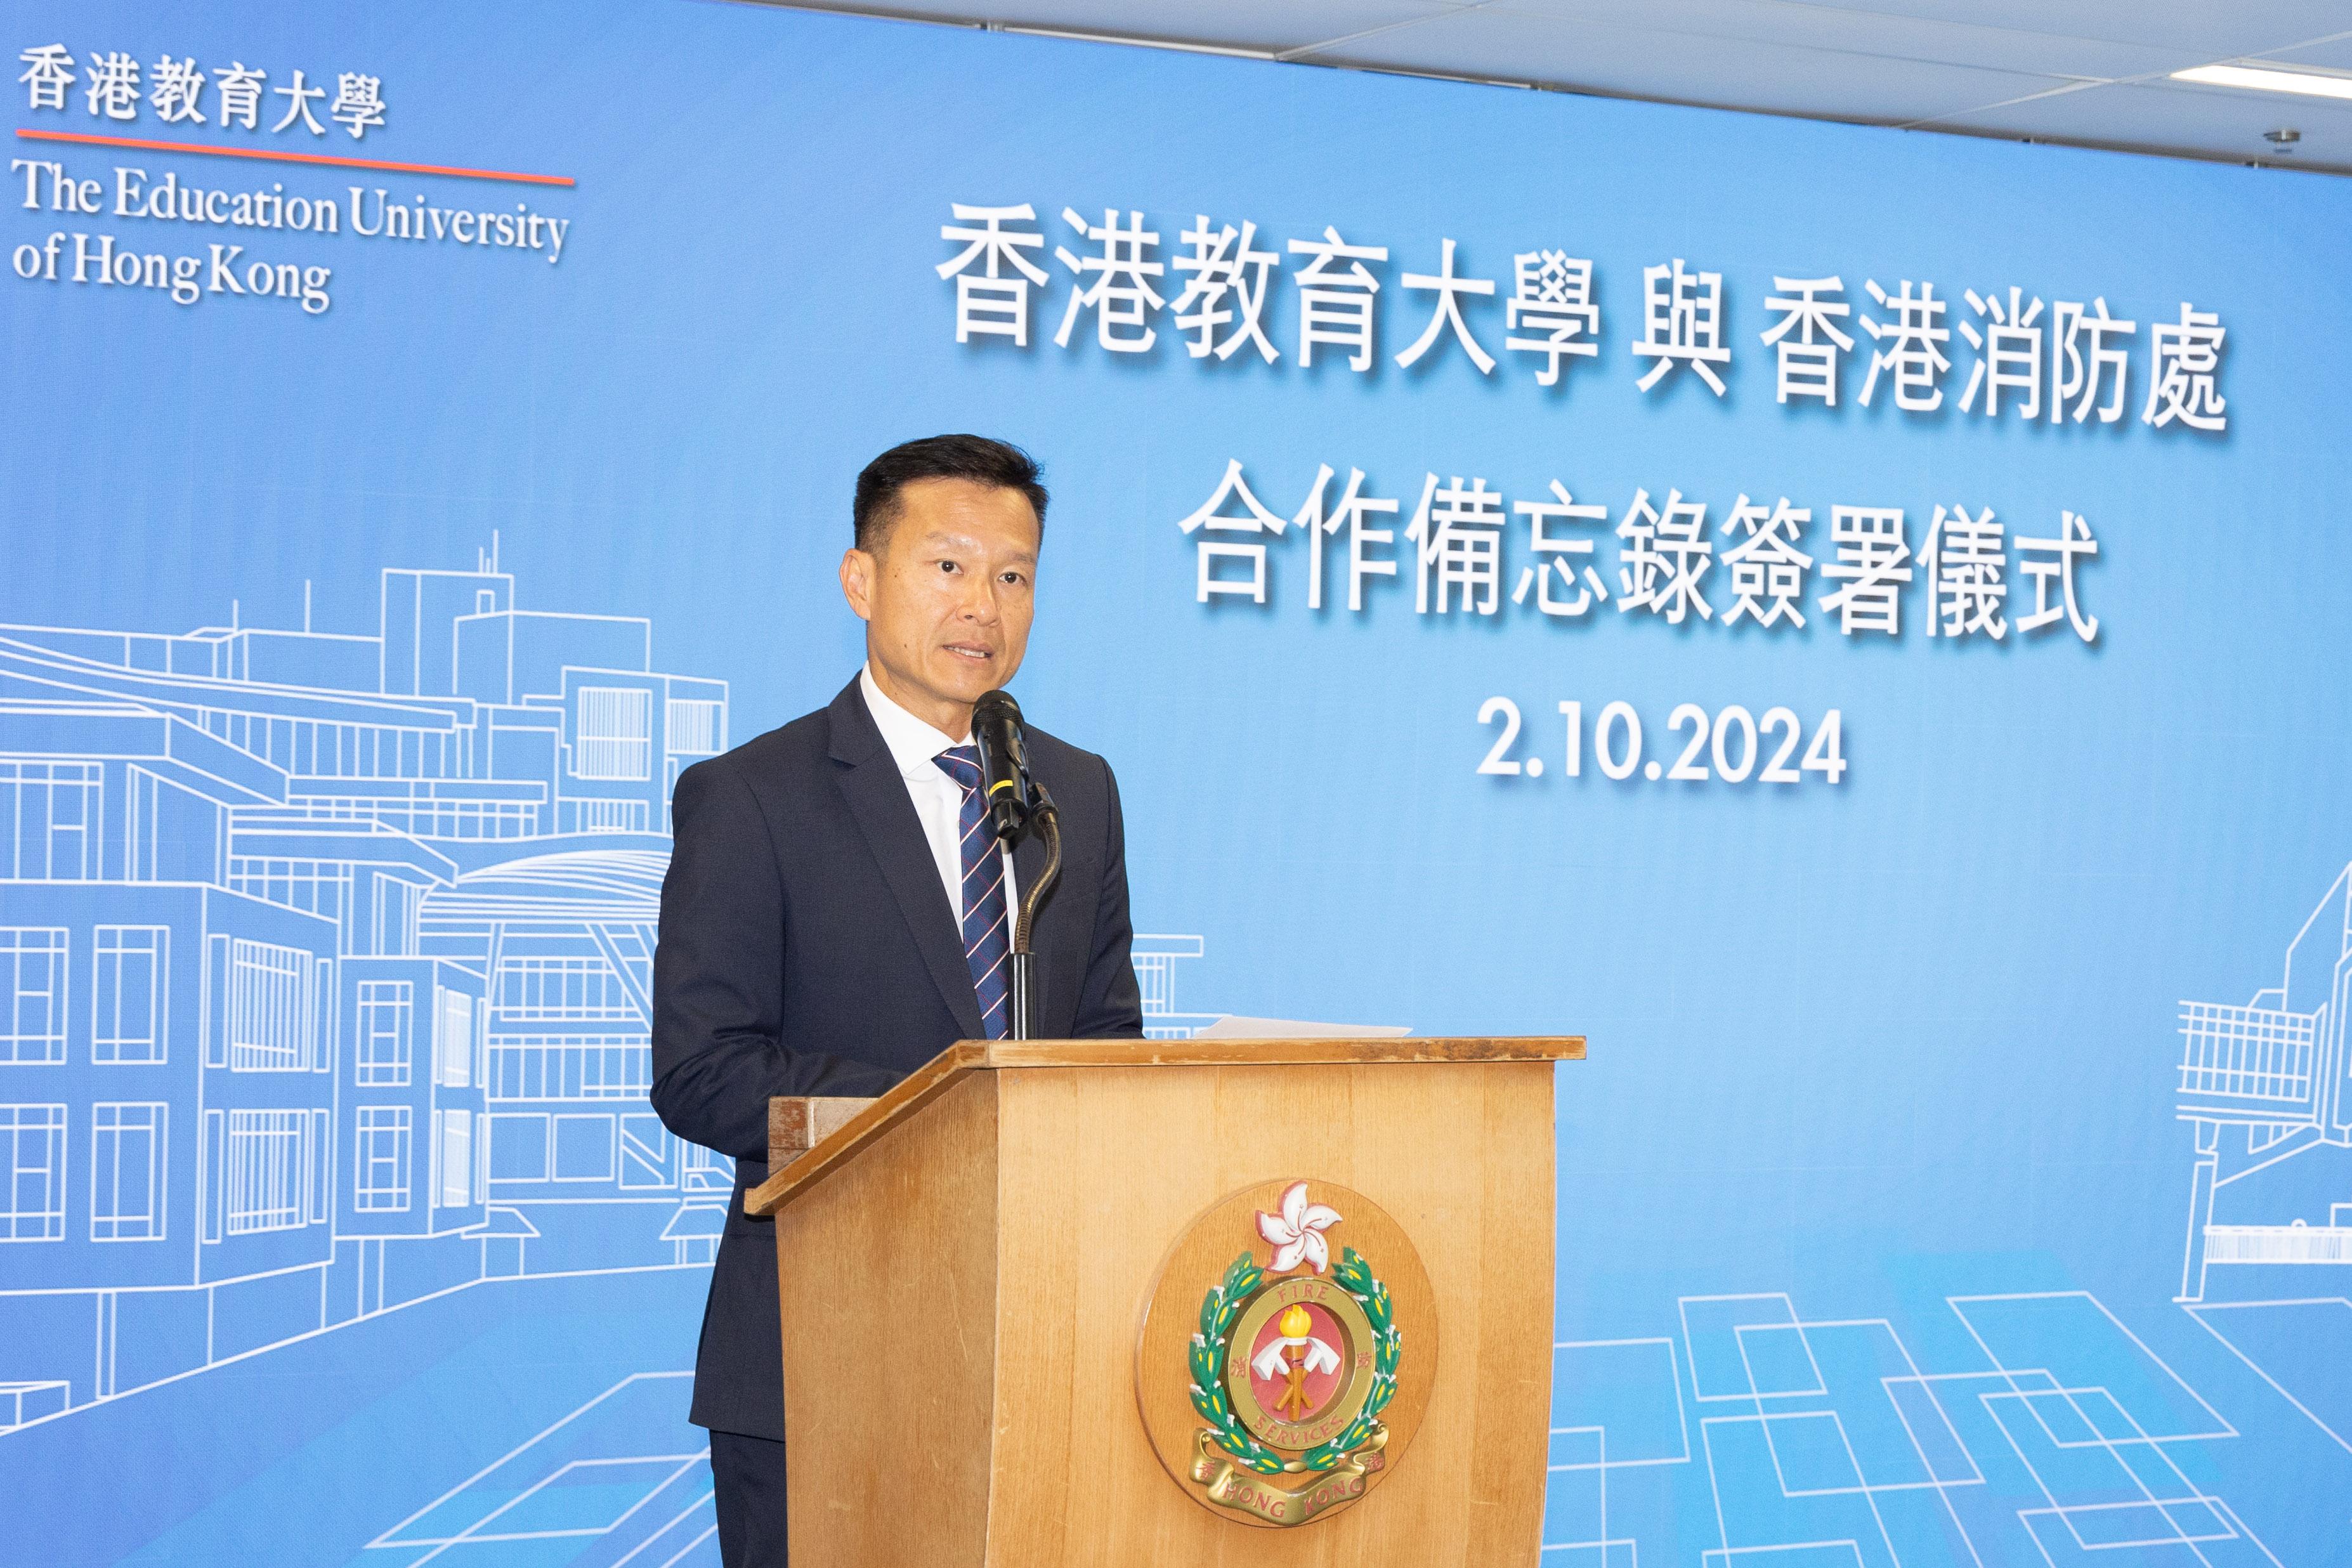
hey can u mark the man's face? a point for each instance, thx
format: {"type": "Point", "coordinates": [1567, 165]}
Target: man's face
{"type": "Point", "coordinates": [947, 598]}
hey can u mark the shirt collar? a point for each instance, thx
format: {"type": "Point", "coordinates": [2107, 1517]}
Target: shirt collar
{"type": "Point", "coordinates": [913, 744]}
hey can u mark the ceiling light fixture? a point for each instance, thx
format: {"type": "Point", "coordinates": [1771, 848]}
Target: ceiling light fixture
{"type": "Point", "coordinates": [2265, 79]}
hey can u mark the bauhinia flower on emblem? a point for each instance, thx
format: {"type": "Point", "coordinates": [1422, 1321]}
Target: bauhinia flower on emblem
{"type": "Point", "coordinates": [1297, 1233]}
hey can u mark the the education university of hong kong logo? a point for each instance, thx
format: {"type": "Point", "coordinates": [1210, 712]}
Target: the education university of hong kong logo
{"type": "Point", "coordinates": [1292, 1356]}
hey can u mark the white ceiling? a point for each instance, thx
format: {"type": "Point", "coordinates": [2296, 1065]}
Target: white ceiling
{"type": "Point", "coordinates": [2087, 72]}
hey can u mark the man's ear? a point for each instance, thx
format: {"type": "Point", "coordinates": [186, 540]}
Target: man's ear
{"type": "Point", "coordinates": [857, 574]}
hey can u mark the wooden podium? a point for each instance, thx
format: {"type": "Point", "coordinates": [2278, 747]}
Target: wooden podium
{"type": "Point", "coordinates": [968, 1265]}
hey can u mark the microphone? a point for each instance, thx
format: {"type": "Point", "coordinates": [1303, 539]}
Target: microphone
{"type": "Point", "coordinates": [1004, 763]}
{"type": "Point", "coordinates": [1015, 804]}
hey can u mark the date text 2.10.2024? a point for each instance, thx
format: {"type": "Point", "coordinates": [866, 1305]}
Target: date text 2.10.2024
{"type": "Point", "coordinates": [1731, 746]}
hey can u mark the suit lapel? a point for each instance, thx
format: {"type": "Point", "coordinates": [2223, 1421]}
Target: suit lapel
{"type": "Point", "coordinates": [878, 798]}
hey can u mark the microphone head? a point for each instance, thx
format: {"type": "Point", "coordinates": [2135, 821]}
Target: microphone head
{"type": "Point", "coordinates": [1004, 761]}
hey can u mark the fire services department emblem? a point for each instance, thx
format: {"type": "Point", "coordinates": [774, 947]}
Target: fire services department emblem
{"type": "Point", "coordinates": [1295, 1356]}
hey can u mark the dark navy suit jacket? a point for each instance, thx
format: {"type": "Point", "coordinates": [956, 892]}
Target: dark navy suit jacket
{"type": "Point", "coordinates": [807, 947]}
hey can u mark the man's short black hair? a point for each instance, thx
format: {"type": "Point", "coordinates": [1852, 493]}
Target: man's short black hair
{"type": "Point", "coordinates": [974, 457]}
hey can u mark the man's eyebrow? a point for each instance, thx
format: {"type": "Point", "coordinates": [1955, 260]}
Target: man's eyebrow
{"type": "Point", "coordinates": [970, 544]}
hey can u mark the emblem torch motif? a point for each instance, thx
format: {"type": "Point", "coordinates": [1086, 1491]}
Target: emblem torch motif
{"type": "Point", "coordinates": [1292, 1357]}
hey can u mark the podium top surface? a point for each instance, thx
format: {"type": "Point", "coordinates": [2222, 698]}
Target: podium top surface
{"type": "Point", "coordinates": [934, 1077]}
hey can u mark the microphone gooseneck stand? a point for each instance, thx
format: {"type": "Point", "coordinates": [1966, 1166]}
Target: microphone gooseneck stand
{"type": "Point", "coordinates": [1046, 820]}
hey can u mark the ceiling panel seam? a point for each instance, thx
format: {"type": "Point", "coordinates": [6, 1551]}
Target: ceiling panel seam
{"type": "Point", "coordinates": [1952, 122]}
{"type": "Point", "coordinates": [2141, 79]}
{"type": "Point", "coordinates": [1289, 57]}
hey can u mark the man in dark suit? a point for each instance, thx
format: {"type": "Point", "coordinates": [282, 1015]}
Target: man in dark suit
{"type": "Point", "coordinates": [835, 911]}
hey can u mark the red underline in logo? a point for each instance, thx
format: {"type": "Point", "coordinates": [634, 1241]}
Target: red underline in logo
{"type": "Point", "coordinates": [200, 149]}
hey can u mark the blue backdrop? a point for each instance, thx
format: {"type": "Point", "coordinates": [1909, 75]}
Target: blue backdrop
{"type": "Point", "coordinates": [1960, 1176]}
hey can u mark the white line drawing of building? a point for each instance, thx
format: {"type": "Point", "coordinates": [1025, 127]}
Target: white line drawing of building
{"type": "Point", "coordinates": [2262, 1084]}
{"type": "Point", "coordinates": [587, 1486]}
{"type": "Point", "coordinates": [1826, 1441]}
{"type": "Point", "coordinates": [2301, 1356]}
{"type": "Point", "coordinates": [325, 966]}
{"type": "Point", "coordinates": [1156, 958]}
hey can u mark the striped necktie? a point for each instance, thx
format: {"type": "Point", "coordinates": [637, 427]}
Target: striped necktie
{"type": "Point", "coordinates": [987, 935]}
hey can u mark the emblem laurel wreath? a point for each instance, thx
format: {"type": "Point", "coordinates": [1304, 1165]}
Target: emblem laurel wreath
{"type": "Point", "coordinates": [1224, 1303]}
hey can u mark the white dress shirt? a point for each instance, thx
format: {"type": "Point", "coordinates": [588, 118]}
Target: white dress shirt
{"type": "Point", "coordinates": [939, 799]}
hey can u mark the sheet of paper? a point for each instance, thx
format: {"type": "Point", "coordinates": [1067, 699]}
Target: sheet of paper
{"type": "Point", "coordinates": [1236, 1028]}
